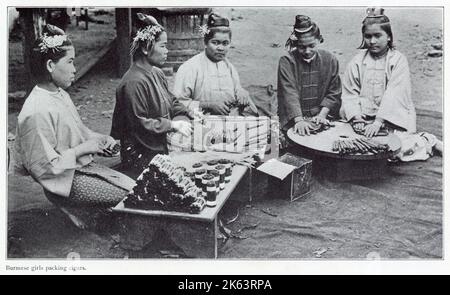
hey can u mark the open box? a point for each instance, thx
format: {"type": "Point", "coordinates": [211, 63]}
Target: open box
{"type": "Point", "coordinates": [288, 176]}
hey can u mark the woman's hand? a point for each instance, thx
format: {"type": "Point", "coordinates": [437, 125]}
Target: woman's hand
{"type": "Point", "coordinates": [108, 142]}
{"type": "Point", "coordinates": [196, 114]}
{"type": "Point", "coordinates": [372, 129]}
{"type": "Point", "coordinates": [358, 124]}
{"type": "Point", "coordinates": [242, 97]}
{"type": "Point", "coordinates": [320, 120]}
{"type": "Point", "coordinates": [217, 107]}
{"type": "Point", "coordinates": [302, 127]}
{"type": "Point", "coordinates": [183, 127]}
{"type": "Point", "coordinates": [321, 117]}
{"type": "Point", "coordinates": [91, 146]}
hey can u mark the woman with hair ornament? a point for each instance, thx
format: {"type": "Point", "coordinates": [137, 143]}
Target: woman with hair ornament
{"type": "Point", "coordinates": [376, 83]}
{"type": "Point", "coordinates": [54, 146]}
{"type": "Point", "coordinates": [308, 80]}
{"type": "Point", "coordinates": [145, 108]}
{"type": "Point", "coordinates": [208, 81]}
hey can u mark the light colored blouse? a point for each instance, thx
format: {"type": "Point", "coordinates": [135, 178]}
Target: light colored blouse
{"type": "Point", "coordinates": [379, 87]}
{"type": "Point", "coordinates": [200, 79]}
{"type": "Point", "coordinates": [48, 129]}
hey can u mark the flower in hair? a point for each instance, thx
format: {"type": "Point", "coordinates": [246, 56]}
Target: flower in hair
{"type": "Point", "coordinates": [51, 42]}
{"type": "Point", "coordinates": [148, 33]}
{"type": "Point", "coordinates": [293, 37]}
{"type": "Point", "coordinates": [203, 30]}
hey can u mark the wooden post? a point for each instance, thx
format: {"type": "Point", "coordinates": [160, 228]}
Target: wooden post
{"type": "Point", "coordinates": [123, 29]}
{"type": "Point", "coordinates": [32, 20]}
{"type": "Point", "coordinates": [86, 13]}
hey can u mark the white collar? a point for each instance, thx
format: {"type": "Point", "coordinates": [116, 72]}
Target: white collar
{"type": "Point", "coordinates": [309, 60]}
{"type": "Point", "coordinates": [48, 91]}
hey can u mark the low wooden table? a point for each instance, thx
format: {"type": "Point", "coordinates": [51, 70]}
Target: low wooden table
{"type": "Point", "coordinates": [195, 234]}
{"type": "Point", "coordinates": [331, 164]}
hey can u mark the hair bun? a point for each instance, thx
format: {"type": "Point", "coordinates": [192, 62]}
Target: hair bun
{"type": "Point", "coordinates": [147, 19]}
{"type": "Point", "coordinates": [375, 12]}
{"type": "Point", "coordinates": [215, 20]}
{"type": "Point", "coordinates": [54, 30]}
{"type": "Point", "coordinates": [303, 24]}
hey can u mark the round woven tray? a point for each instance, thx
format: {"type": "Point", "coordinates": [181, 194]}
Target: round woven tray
{"type": "Point", "coordinates": [320, 144]}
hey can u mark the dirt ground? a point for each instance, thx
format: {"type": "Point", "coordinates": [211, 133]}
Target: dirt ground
{"type": "Point", "coordinates": [37, 229]}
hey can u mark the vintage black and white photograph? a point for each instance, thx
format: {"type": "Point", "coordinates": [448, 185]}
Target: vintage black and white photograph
{"type": "Point", "coordinates": [309, 133]}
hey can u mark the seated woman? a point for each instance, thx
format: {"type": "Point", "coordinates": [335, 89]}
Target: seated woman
{"type": "Point", "coordinates": [52, 143]}
{"type": "Point", "coordinates": [376, 83]}
{"type": "Point", "coordinates": [308, 79]}
{"type": "Point", "coordinates": [144, 106]}
{"type": "Point", "coordinates": [208, 80]}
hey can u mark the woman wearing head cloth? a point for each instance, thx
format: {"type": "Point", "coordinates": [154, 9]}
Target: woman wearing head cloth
{"type": "Point", "coordinates": [308, 79]}
{"type": "Point", "coordinates": [144, 106]}
{"type": "Point", "coordinates": [208, 80]}
{"type": "Point", "coordinates": [376, 84]}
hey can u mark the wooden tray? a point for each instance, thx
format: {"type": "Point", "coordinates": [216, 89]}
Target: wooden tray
{"type": "Point", "coordinates": [207, 214]}
{"type": "Point", "coordinates": [320, 144]}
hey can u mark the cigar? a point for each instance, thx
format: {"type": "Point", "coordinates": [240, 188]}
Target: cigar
{"type": "Point", "coordinates": [256, 126]}
{"type": "Point", "coordinates": [361, 148]}
{"type": "Point", "coordinates": [341, 147]}
{"type": "Point", "coordinates": [334, 147]}
{"type": "Point", "coordinates": [363, 142]}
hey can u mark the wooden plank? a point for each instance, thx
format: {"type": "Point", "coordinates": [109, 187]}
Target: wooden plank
{"type": "Point", "coordinates": [186, 25]}
{"type": "Point", "coordinates": [123, 30]}
{"type": "Point", "coordinates": [180, 24]}
{"type": "Point", "coordinates": [183, 52]}
{"type": "Point", "coordinates": [93, 58]}
{"type": "Point", "coordinates": [192, 24]}
{"type": "Point", "coordinates": [184, 36]}
{"type": "Point", "coordinates": [164, 22]}
{"type": "Point", "coordinates": [207, 214]}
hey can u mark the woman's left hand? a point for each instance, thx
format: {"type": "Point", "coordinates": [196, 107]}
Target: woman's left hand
{"type": "Point", "coordinates": [242, 97]}
{"type": "Point", "coordinates": [108, 142]}
{"type": "Point", "coordinates": [320, 120]}
{"type": "Point", "coordinates": [372, 129]}
{"type": "Point", "coordinates": [196, 114]}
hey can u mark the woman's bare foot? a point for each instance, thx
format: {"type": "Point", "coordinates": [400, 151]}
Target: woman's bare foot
{"type": "Point", "coordinates": [439, 147]}
{"type": "Point", "coordinates": [76, 220]}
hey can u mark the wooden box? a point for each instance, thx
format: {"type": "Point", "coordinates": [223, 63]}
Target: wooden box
{"type": "Point", "coordinates": [291, 181]}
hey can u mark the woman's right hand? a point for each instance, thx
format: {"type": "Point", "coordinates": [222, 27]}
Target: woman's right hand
{"type": "Point", "coordinates": [358, 124]}
{"type": "Point", "coordinates": [91, 146]}
{"type": "Point", "coordinates": [302, 127]}
{"type": "Point", "coordinates": [217, 107]}
{"type": "Point", "coordinates": [183, 127]}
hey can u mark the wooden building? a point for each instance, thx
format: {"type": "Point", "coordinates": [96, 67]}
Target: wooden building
{"type": "Point", "coordinates": [181, 25]}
